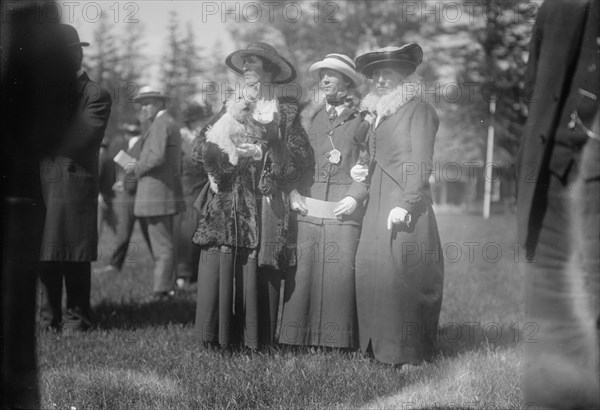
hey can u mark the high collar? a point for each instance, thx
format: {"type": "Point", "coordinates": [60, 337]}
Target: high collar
{"type": "Point", "coordinates": [388, 104]}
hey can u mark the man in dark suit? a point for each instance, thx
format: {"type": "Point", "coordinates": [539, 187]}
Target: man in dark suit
{"type": "Point", "coordinates": [70, 188]}
{"type": "Point", "coordinates": [559, 207]}
{"type": "Point", "coordinates": [159, 195]}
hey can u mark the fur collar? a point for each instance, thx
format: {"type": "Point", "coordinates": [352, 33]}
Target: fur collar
{"type": "Point", "coordinates": [388, 104]}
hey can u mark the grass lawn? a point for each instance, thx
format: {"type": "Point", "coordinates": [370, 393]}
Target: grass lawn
{"type": "Point", "coordinates": [145, 355]}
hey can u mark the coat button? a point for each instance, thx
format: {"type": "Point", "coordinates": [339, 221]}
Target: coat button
{"type": "Point", "coordinates": [542, 139]}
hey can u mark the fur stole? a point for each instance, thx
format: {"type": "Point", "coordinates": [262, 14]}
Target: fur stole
{"type": "Point", "coordinates": [235, 127]}
{"type": "Point", "coordinates": [388, 104]}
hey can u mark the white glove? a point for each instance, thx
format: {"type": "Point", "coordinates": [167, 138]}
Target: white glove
{"type": "Point", "coordinates": [297, 202]}
{"type": "Point", "coordinates": [397, 216]}
{"type": "Point", "coordinates": [347, 206]}
{"type": "Point", "coordinates": [250, 150]}
{"type": "Point", "coordinates": [359, 172]}
{"type": "Point", "coordinates": [118, 186]}
{"type": "Point", "coordinates": [213, 184]}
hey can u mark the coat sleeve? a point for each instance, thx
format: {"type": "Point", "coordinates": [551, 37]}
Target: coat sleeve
{"type": "Point", "coordinates": [155, 147]}
{"type": "Point", "coordinates": [89, 125]}
{"type": "Point", "coordinates": [423, 128]}
{"type": "Point", "coordinates": [293, 159]}
{"type": "Point", "coordinates": [359, 190]}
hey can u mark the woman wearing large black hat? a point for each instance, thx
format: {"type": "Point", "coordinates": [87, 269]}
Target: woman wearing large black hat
{"type": "Point", "coordinates": [399, 264]}
{"type": "Point", "coordinates": [255, 153]}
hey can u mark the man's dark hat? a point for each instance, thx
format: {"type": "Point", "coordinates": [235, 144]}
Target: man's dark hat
{"type": "Point", "coordinates": [267, 51]}
{"type": "Point", "coordinates": [408, 55]}
{"type": "Point", "coordinates": [72, 37]}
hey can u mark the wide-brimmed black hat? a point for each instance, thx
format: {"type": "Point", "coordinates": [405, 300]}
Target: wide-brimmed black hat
{"type": "Point", "coordinates": [287, 71]}
{"type": "Point", "coordinates": [408, 55]}
{"type": "Point", "coordinates": [71, 36]}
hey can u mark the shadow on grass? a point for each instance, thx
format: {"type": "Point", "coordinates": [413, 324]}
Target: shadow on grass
{"type": "Point", "coordinates": [455, 338]}
{"type": "Point", "coordinates": [132, 314]}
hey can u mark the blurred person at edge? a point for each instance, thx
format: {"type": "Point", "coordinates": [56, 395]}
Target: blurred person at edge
{"type": "Point", "coordinates": [193, 179]}
{"type": "Point", "coordinates": [35, 58]}
{"type": "Point", "coordinates": [122, 191]}
{"type": "Point", "coordinates": [395, 288]}
{"type": "Point", "coordinates": [70, 238]}
{"type": "Point", "coordinates": [246, 223]}
{"type": "Point", "coordinates": [559, 207]}
{"type": "Point", "coordinates": [321, 295]}
{"type": "Point", "coordinates": [159, 194]}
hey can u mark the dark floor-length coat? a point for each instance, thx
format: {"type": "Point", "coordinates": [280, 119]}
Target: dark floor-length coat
{"type": "Point", "coordinates": [70, 180]}
{"type": "Point", "coordinates": [399, 272]}
{"type": "Point", "coordinates": [319, 301]}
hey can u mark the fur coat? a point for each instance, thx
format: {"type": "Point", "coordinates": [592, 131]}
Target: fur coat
{"type": "Point", "coordinates": [240, 214]}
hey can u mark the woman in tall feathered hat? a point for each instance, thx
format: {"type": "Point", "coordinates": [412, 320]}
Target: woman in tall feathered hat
{"type": "Point", "coordinates": [399, 262]}
{"type": "Point", "coordinates": [320, 306]}
{"type": "Point", "coordinates": [255, 153]}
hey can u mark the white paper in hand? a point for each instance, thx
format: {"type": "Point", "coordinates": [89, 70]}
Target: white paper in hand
{"type": "Point", "coordinates": [321, 209]}
{"type": "Point", "coordinates": [125, 160]}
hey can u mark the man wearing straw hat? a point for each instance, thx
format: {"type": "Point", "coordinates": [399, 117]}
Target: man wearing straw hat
{"type": "Point", "coordinates": [159, 193]}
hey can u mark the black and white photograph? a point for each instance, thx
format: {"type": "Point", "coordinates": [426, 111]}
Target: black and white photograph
{"type": "Point", "coordinates": [300, 204]}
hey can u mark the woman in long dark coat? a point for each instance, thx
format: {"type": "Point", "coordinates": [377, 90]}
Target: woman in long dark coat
{"type": "Point", "coordinates": [255, 153]}
{"type": "Point", "coordinates": [399, 265]}
{"type": "Point", "coordinates": [319, 301]}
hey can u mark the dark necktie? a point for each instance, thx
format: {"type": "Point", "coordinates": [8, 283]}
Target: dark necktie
{"type": "Point", "coordinates": [333, 114]}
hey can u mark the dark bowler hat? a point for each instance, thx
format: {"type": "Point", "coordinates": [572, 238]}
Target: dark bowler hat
{"type": "Point", "coordinates": [72, 37]}
{"type": "Point", "coordinates": [409, 55]}
{"type": "Point", "coordinates": [267, 51]}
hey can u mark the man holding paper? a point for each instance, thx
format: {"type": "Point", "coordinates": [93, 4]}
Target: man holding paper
{"type": "Point", "coordinates": [159, 193]}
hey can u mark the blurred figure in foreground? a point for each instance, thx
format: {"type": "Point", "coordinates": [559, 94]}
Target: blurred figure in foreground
{"type": "Point", "coordinates": [159, 195]}
{"type": "Point", "coordinates": [123, 187]}
{"type": "Point", "coordinates": [559, 207]}
{"type": "Point", "coordinates": [70, 188]}
{"type": "Point", "coordinates": [35, 111]}
{"type": "Point", "coordinates": [193, 179]}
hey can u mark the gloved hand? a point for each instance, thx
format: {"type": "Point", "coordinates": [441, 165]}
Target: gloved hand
{"type": "Point", "coordinates": [347, 206]}
{"type": "Point", "coordinates": [118, 186]}
{"type": "Point", "coordinates": [213, 184]}
{"type": "Point", "coordinates": [297, 202]}
{"type": "Point", "coordinates": [359, 172]}
{"type": "Point", "coordinates": [398, 216]}
{"type": "Point", "coordinates": [250, 150]}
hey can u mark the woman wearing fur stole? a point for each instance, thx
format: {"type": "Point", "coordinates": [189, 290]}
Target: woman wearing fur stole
{"type": "Point", "coordinates": [319, 303]}
{"type": "Point", "coordinates": [255, 153]}
{"type": "Point", "coordinates": [399, 264]}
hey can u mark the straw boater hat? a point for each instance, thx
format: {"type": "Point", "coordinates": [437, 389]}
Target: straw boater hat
{"type": "Point", "coordinates": [409, 55]}
{"type": "Point", "coordinates": [72, 37]}
{"type": "Point", "coordinates": [267, 51]}
{"type": "Point", "coordinates": [148, 91]}
{"type": "Point", "coordinates": [338, 62]}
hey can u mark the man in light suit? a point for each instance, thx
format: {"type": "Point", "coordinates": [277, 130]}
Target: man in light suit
{"type": "Point", "coordinates": [159, 192]}
{"type": "Point", "coordinates": [70, 189]}
{"type": "Point", "coordinates": [559, 207]}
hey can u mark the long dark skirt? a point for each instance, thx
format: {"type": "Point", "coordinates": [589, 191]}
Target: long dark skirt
{"type": "Point", "coordinates": [399, 280]}
{"type": "Point", "coordinates": [227, 306]}
{"type": "Point", "coordinates": [319, 300]}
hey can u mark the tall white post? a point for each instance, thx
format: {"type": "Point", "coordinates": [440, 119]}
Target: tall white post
{"type": "Point", "coordinates": [489, 160]}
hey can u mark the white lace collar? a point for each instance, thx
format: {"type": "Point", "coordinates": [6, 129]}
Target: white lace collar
{"type": "Point", "coordinates": [388, 104]}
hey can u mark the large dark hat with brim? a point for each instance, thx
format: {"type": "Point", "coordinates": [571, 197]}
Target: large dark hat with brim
{"type": "Point", "coordinates": [409, 55]}
{"type": "Point", "coordinates": [340, 63]}
{"type": "Point", "coordinates": [148, 92]}
{"type": "Point", "coordinates": [287, 71]}
{"type": "Point", "coordinates": [71, 36]}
